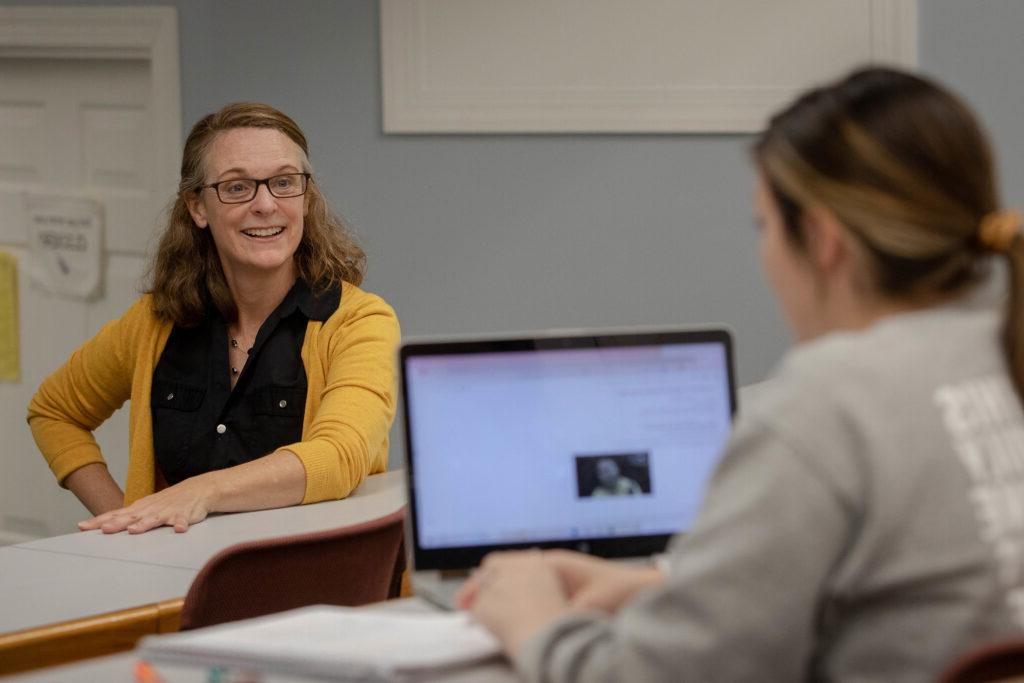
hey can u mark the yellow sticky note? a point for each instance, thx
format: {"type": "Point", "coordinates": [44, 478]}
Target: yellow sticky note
{"type": "Point", "coordinates": [9, 362]}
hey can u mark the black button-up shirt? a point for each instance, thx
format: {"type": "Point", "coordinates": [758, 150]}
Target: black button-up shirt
{"type": "Point", "coordinates": [199, 422]}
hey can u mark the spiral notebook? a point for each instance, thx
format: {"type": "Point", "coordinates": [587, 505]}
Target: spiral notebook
{"type": "Point", "coordinates": [333, 643]}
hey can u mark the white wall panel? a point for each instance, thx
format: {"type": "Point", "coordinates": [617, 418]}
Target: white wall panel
{"type": "Point", "coordinates": [115, 146]}
{"type": "Point", "coordinates": [22, 128]}
{"type": "Point", "coordinates": [478, 66]}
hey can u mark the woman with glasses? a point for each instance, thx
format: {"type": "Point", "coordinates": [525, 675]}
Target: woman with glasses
{"type": "Point", "coordinates": [260, 375]}
{"type": "Point", "coordinates": [866, 521]}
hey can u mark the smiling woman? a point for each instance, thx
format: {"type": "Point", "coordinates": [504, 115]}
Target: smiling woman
{"type": "Point", "coordinates": [259, 373]}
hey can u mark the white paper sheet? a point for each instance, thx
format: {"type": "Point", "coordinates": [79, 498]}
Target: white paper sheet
{"type": "Point", "coordinates": [334, 643]}
{"type": "Point", "coordinates": [65, 245]}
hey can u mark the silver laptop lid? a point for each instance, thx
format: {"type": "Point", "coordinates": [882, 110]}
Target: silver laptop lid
{"type": "Point", "coordinates": [597, 441]}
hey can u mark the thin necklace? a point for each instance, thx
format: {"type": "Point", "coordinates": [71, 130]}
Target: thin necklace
{"type": "Point", "coordinates": [248, 352]}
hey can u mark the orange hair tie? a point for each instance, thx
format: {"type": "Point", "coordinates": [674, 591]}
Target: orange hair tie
{"type": "Point", "coordinates": [999, 230]}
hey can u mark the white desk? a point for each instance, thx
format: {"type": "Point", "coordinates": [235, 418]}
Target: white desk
{"type": "Point", "coordinates": [119, 669]}
{"type": "Point", "coordinates": [40, 588]}
{"type": "Point", "coordinates": [86, 574]}
{"type": "Point", "coordinates": [379, 495]}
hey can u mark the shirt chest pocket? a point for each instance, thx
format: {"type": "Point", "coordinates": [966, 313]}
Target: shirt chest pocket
{"type": "Point", "coordinates": [176, 397]}
{"type": "Point", "coordinates": [176, 412]}
{"type": "Point", "coordinates": [286, 402]}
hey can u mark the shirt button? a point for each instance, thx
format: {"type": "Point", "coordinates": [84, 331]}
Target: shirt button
{"type": "Point", "coordinates": [221, 429]}
{"type": "Point", "coordinates": [170, 396]}
{"type": "Point", "coordinates": [283, 404]}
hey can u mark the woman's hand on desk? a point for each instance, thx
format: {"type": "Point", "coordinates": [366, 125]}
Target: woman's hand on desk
{"type": "Point", "coordinates": [275, 480]}
{"type": "Point", "coordinates": [178, 506]}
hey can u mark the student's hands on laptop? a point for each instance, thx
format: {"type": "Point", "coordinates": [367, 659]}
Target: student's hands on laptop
{"type": "Point", "coordinates": [514, 595]}
{"type": "Point", "coordinates": [517, 594]}
{"type": "Point", "coordinates": [593, 583]}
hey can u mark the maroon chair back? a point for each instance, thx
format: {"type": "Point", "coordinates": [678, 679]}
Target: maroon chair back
{"type": "Point", "coordinates": [1003, 661]}
{"type": "Point", "coordinates": [353, 565]}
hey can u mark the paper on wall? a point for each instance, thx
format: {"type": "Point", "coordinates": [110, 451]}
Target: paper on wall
{"type": "Point", "coordinates": [10, 365]}
{"type": "Point", "coordinates": [65, 244]}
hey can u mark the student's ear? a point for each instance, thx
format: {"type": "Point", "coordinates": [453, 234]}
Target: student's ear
{"type": "Point", "coordinates": [826, 239]}
{"type": "Point", "coordinates": [197, 210]}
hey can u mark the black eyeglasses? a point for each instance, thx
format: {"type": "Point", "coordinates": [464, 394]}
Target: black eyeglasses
{"type": "Point", "coordinates": [242, 190]}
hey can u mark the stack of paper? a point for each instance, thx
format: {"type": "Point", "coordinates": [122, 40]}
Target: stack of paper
{"type": "Point", "coordinates": [335, 643]}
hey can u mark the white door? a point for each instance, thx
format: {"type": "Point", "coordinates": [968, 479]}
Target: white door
{"type": "Point", "coordinates": [79, 127]}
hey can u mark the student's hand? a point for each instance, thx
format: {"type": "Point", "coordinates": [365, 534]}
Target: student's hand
{"type": "Point", "coordinates": [179, 506]}
{"type": "Point", "coordinates": [588, 582]}
{"type": "Point", "coordinates": [593, 583]}
{"type": "Point", "coordinates": [515, 595]}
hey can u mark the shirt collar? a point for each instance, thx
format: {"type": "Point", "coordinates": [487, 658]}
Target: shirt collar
{"type": "Point", "coordinates": [313, 306]}
{"type": "Point", "coordinates": [300, 297]}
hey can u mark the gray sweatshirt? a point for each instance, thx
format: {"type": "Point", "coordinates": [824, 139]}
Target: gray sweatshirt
{"type": "Point", "coordinates": [866, 523]}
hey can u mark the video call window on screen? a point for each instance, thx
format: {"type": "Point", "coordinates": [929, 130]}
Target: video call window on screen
{"type": "Point", "coordinates": [613, 474]}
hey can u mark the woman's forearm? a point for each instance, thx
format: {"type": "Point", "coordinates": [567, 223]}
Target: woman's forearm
{"type": "Point", "coordinates": [276, 480]}
{"type": "Point", "coordinates": [95, 488]}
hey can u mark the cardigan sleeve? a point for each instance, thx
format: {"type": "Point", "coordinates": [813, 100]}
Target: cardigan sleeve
{"type": "Point", "coordinates": [76, 399]}
{"type": "Point", "coordinates": [347, 438]}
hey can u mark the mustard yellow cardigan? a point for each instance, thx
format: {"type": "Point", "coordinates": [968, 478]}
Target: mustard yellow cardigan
{"type": "Point", "coordinates": [350, 369]}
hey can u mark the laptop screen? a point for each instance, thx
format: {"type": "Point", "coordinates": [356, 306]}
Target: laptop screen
{"type": "Point", "coordinates": [599, 442]}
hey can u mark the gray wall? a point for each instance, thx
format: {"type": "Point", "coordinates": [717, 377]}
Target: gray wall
{"type": "Point", "coordinates": [490, 233]}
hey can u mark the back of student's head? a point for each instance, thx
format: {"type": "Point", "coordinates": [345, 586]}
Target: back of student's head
{"type": "Point", "coordinates": [905, 167]}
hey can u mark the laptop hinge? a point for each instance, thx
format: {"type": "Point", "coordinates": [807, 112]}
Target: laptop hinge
{"type": "Point", "coordinates": [455, 573]}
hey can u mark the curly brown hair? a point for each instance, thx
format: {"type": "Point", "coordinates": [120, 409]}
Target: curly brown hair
{"type": "Point", "coordinates": [185, 275]}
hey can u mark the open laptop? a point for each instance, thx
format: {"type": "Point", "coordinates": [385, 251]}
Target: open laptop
{"type": "Point", "coordinates": [602, 442]}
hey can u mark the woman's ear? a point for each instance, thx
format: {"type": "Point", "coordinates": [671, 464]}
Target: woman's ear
{"type": "Point", "coordinates": [197, 209]}
{"type": "Point", "coordinates": [827, 243]}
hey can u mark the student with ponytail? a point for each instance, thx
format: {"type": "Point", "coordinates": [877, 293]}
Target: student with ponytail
{"type": "Point", "coordinates": [866, 522]}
